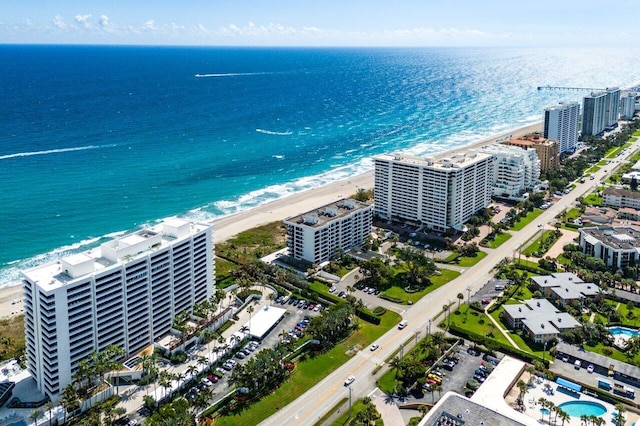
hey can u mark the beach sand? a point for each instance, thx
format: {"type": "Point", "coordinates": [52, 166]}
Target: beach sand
{"type": "Point", "coordinates": [229, 226]}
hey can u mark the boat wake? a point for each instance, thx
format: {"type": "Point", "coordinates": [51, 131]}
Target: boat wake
{"type": "Point", "coordinates": [230, 74]}
{"type": "Point", "coordinates": [269, 132]}
{"type": "Point", "coordinates": [53, 151]}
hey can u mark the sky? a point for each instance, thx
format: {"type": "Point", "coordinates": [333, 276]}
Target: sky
{"type": "Point", "coordinates": [518, 23]}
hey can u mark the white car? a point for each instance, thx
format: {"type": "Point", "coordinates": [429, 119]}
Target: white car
{"type": "Point", "coordinates": [349, 380]}
{"type": "Point", "coordinates": [374, 347]}
{"type": "Point", "coordinates": [590, 368]}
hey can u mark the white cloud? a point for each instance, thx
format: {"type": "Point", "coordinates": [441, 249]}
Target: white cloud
{"type": "Point", "coordinates": [149, 25]}
{"type": "Point", "coordinates": [58, 22]}
{"type": "Point", "coordinates": [106, 25]}
{"type": "Point", "coordinates": [83, 20]}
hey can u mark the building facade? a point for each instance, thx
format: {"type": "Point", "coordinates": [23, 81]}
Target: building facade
{"type": "Point", "coordinates": [316, 235]}
{"type": "Point", "coordinates": [615, 197]}
{"type": "Point", "coordinates": [612, 110]}
{"type": "Point", "coordinates": [594, 113]}
{"type": "Point", "coordinates": [439, 194]}
{"type": "Point", "coordinates": [628, 105]}
{"type": "Point", "coordinates": [546, 149]}
{"type": "Point", "coordinates": [126, 292]}
{"type": "Point", "coordinates": [516, 171]}
{"type": "Point", "coordinates": [561, 124]}
{"type": "Point", "coordinates": [616, 246]}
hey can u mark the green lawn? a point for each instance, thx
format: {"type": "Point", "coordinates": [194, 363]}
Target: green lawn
{"type": "Point", "coordinates": [224, 268]}
{"type": "Point", "coordinates": [535, 246]}
{"type": "Point", "coordinates": [574, 214]}
{"type": "Point", "coordinates": [499, 240]}
{"type": "Point", "coordinates": [310, 372]}
{"type": "Point", "coordinates": [477, 322]}
{"type": "Point", "coordinates": [436, 281]}
{"type": "Point", "coordinates": [593, 200]}
{"type": "Point", "coordinates": [345, 419]}
{"type": "Point", "coordinates": [526, 220]}
{"type": "Point", "coordinates": [592, 170]}
{"type": "Point", "coordinates": [470, 261]}
{"type": "Point", "coordinates": [636, 133]}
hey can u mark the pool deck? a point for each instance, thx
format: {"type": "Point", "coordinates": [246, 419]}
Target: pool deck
{"type": "Point", "coordinates": [509, 371]}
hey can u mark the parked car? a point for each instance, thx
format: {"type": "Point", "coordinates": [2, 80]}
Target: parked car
{"type": "Point", "coordinates": [349, 380]}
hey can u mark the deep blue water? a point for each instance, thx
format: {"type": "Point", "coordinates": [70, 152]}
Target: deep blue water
{"type": "Point", "coordinates": [96, 140]}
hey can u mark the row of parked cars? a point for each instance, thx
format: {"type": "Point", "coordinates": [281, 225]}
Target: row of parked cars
{"type": "Point", "coordinates": [298, 331]}
{"type": "Point", "coordinates": [299, 303]}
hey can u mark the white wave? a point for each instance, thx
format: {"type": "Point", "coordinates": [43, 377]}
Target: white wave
{"type": "Point", "coordinates": [275, 192]}
{"type": "Point", "coordinates": [269, 132]}
{"type": "Point", "coordinates": [279, 157]}
{"type": "Point", "coordinates": [54, 151]}
{"type": "Point", "coordinates": [230, 74]}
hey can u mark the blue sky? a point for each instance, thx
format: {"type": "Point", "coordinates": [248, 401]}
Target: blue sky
{"type": "Point", "coordinates": [322, 23]}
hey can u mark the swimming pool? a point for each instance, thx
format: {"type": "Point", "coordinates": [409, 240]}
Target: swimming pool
{"type": "Point", "coordinates": [579, 408]}
{"type": "Point", "coordinates": [624, 331]}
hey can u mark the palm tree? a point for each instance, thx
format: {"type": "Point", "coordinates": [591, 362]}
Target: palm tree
{"type": "Point", "coordinates": [564, 416]}
{"type": "Point", "coordinates": [621, 410]}
{"type": "Point", "coordinates": [48, 407]}
{"type": "Point", "coordinates": [522, 387]}
{"type": "Point", "coordinates": [460, 297]}
{"type": "Point", "coordinates": [69, 400]}
{"type": "Point", "coordinates": [250, 311]}
{"type": "Point", "coordinates": [35, 414]}
{"type": "Point", "coordinates": [584, 420]}
{"type": "Point", "coordinates": [396, 363]}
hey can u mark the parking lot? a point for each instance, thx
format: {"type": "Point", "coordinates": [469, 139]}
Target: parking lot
{"type": "Point", "coordinates": [455, 373]}
{"type": "Point", "coordinates": [491, 290]}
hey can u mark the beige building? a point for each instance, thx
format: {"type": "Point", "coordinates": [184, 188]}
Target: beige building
{"type": "Point", "coordinates": [547, 149]}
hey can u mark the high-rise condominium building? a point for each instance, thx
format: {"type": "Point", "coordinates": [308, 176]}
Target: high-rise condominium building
{"type": "Point", "coordinates": [628, 105]}
{"type": "Point", "coordinates": [125, 292]}
{"type": "Point", "coordinates": [316, 235]}
{"type": "Point", "coordinates": [594, 113]}
{"type": "Point", "coordinates": [612, 111]}
{"type": "Point", "coordinates": [439, 194]}
{"type": "Point", "coordinates": [561, 124]}
{"type": "Point", "coordinates": [516, 171]}
{"type": "Point", "coordinates": [546, 149]}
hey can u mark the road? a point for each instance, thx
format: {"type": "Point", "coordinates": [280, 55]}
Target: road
{"type": "Point", "coordinates": [313, 404]}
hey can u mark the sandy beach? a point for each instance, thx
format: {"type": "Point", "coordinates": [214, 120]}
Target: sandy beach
{"type": "Point", "coordinates": [277, 210]}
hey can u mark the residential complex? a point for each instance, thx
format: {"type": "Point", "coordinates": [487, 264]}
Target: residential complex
{"type": "Point", "coordinates": [561, 124]}
{"type": "Point", "coordinates": [439, 193]}
{"type": "Point", "coordinates": [516, 171]}
{"type": "Point", "coordinates": [628, 105]}
{"type": "Point", "coordinates": [126, 292]}
{"type": "Point", "coordinates": [314, 236]}
{"type": "Point", "coordinates": [616, 197]}
{"type": "Point", "coordinates": [600, 111]}
{"type": "Point", "coordinates": [539, 319]}
{"type": "Point", "coordinates": [564, 287]}
{"type": "Point", "coordinates": [546, 149]}
{"type": "Point", "coordinates": [617, 246]}
{"type": "Point", "coordinates": [593, 114]}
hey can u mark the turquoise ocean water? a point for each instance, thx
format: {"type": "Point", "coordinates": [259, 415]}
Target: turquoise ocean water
{"type": "Point", "coordinates": [98, 140]}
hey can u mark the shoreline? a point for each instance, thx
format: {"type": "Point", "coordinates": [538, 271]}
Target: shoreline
{"type": "Point", "coordinates": [277, 210]}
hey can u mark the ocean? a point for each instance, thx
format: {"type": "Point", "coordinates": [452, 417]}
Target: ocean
{"type": "Point", "coordinates": [97, 140]}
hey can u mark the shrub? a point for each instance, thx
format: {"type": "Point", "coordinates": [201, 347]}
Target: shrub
{"type": "Point", "coordinates": [178, 357]}
{"type": "Point", "coordinates": [379, 310]}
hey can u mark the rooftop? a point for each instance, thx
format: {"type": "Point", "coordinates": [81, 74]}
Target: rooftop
{"type": "Point", "coordinates": [123, 249]}
{"type": "Point", "coordinates": [442, 162]}
{"type": "Point", "coordinates": [328, 213]}
{"type": "Point", "coordinates": [618, 192]}
{"type": "Point", "coordinates": [566, 285]}
{"type": "Point", "coordinates": [531, 140]}
{"type": "Point", "coordinates": [541, 317]}
{"type": "Point", "coordinates": [620, 237]}
{"type": "Point", "coordinates": [597, 359]}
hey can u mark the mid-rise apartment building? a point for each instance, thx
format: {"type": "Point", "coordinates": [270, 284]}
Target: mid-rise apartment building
{"type": "Point", "coordinates": [617, 246]}
{"type": "Point", "coordinates": [546, 149]}
{"type": "Point", "coordinates": [439, 193]}
{"type": "Point", "coordinates": [561, 124]}
{"type": "Point", "coordinates": [315, 236]}
{"type": "Point", "coordinates": [616, 197]}
{"type": "Point", "coordinates": [516, 171]}
{"type": "Point", "coordinates": [126, 292]}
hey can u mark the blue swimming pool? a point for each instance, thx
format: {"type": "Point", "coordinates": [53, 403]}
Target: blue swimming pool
{"type": "Point", "coordinates": [579, 408]}
{"type": "Point", "coordinates": [617, 331]}
{"type": "Point", "coordinates": [18, 423]}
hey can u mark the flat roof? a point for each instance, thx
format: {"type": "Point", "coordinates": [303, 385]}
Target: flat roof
{"type": "Point", "coordinates": [569, 385]}
{"type": "Point", "coordinates": [52, 275]}
{"type": "Point", "coordinates": [322, 215]}
{"type": "Point", "coordinates": [442, 162]}
{"type": "Point", "coordinates": [616, 237]}
{"type": "Point", "coordinates": [619, 192]}
{"type": "Point", "coordinates": [264, 320]}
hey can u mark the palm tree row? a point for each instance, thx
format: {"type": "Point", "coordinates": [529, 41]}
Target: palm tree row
{"type": "Point", "coordinates": [556, 411]}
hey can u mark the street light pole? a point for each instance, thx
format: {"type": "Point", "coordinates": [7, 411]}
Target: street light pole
{"type": "Point", "coordinates": [350, 401]}
{"type": "Point", "coordinates": [429, 327]}
{"type": "Point", "coordinates": [416, 333]}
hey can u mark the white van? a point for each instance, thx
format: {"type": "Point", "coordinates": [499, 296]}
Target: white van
{"type": "Point", "coordinates": [402, 324]}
